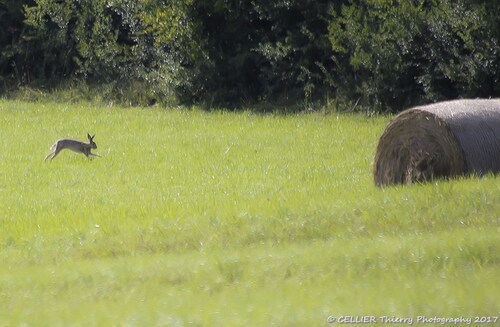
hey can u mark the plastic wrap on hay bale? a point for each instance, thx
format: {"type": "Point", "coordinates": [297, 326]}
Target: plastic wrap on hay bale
{"type": "Point", "coordinates": [440, 140]}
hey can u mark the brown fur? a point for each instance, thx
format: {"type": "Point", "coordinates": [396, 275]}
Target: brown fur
{"type": "Point", "coordinates": [73, 145]}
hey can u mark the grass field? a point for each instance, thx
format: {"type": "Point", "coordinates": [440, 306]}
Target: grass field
{"type": "Point", "coordinates": [229, 219]}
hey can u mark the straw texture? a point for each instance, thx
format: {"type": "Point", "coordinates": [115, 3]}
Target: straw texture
{"type": "Point", "coordinates": [440, 140]}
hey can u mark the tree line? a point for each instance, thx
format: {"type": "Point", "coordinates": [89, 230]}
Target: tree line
{"type": "Point", "coordinates": [378, 54]}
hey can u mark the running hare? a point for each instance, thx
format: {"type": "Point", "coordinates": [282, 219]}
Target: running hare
{"type": "Point", "coordinates": [73, 145]}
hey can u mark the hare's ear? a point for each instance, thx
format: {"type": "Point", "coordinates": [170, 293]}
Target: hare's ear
{"type": "Point", "coordinates": [89, 137]}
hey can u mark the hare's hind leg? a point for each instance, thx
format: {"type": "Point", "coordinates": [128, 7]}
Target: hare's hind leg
{"type": "Point", "coordinates": [47, 157]}
{"type": "Point", "coordinates": [52, 155]}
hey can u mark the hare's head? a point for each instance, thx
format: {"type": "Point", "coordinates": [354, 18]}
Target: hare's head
{"type": "Point", "coordinates": [91, 141]}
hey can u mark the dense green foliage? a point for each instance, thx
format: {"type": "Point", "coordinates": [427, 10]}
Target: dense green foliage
{"type": "Point", "coordinates": [400, 55]}
{"type": "Point", "coordinates": [382, 54]}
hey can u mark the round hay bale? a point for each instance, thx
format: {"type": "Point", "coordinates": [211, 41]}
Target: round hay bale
{"type": "Point", "coordinates": [440, 140]}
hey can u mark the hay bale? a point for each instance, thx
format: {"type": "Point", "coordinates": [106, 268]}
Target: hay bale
{"type": "Point", "coordinates": [440, 140]}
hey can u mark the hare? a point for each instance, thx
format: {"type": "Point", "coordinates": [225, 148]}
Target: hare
{"type": "Point", "coordinates": [73, 145]}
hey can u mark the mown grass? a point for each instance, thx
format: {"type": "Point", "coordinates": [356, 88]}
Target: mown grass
{"type": "Point", "coordinates": [229, 219]}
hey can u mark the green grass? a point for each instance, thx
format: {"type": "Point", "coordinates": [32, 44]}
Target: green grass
{"type": "Point", "coordinates": [229, 219]}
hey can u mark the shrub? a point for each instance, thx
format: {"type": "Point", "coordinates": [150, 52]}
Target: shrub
{"type": "Point", "coordinates": [394, 54]}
